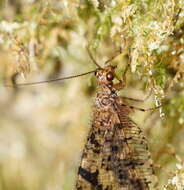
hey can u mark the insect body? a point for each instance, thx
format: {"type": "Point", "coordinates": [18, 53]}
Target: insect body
{"type": "Point", "coordinates": [116, 155]}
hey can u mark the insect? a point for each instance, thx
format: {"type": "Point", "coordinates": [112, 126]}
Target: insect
{"type": "Point", "coordinates": [115, 156]}
{"type": "Point", "coordinates": [116, 153]}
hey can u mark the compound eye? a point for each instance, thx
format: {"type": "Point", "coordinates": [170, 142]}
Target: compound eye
{"type": "Point", "coordinates": [110, 76]}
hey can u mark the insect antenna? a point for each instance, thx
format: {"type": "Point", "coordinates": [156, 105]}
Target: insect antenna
{"type": "Point", "coordinates": [118, 53]}
{"type": "Point", "coordinates": [48, 81]}
{"type": "Point", "coordinates": [92, 58]}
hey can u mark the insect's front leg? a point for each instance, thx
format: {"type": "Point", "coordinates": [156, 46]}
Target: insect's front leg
{"type": "Point", "coordinates": [122, 82]}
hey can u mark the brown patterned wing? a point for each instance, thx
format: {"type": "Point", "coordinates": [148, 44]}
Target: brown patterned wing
{"type": "Point", "coordinates": [92, 173]}
{"type": "Point", "coordinates": [130, 159]}
{"type": "Point", "coordinates": [115, 156]}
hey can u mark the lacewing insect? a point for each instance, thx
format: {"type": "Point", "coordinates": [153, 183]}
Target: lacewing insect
{"type": "Point", "coordinates": [116, 155]}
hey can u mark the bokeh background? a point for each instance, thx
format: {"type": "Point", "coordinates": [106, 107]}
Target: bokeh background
{"type": "Point", "coordinates": [43, 127]}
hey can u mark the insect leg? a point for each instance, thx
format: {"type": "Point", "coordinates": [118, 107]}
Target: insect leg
{"type": "Point", "coordinates": [122, 82]}
{"type": "Point", "coordinates": [142, 109]}
{"type": "Point", "coordinates": [138, 100]}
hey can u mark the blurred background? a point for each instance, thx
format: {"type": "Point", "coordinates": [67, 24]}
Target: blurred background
{"type": "Point", "coordinates": [43, 127]}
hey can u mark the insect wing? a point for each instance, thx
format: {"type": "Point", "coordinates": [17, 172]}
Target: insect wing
{"type": "Point", "coordinates": [92, 173]}
{"type": "Point", "coordinates": [116, 155]}
{"type": "Point", "coordinates": [130, 159]}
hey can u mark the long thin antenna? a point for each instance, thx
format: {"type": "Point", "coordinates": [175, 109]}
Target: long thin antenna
{"type": "Point", "coordinates": [117, 54]}
{"type": "Point", "coordinates": [92, 58]}
{"type": "Point", "coordinates": [49, 81]}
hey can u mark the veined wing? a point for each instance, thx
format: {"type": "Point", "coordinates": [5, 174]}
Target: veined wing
{"type": "Point", "coordinates": [92, 174]}
{"type": "Point", "coordinates": [127, 154]}
{"type": "Point", "coordinates": [115, 156]}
